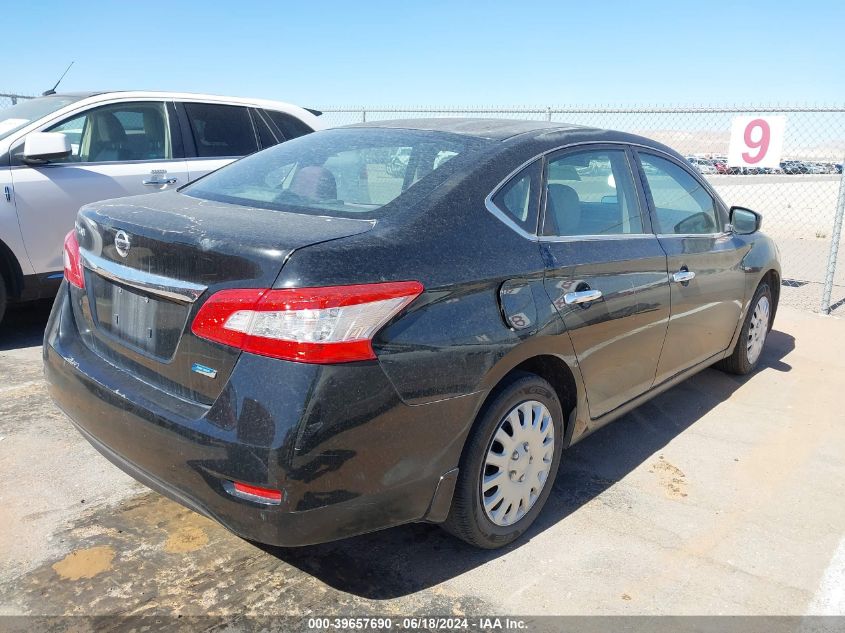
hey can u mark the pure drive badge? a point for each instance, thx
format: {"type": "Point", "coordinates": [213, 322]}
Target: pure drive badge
{"type": "Point", "coordinates": [205, 371]}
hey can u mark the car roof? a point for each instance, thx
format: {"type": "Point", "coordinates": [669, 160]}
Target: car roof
{"type": "Point", "coordinates": [546, 132]}
{"type": "Point", "coordinates": [495, 129]}
{"type": "Point", "coordinates": [168, 94]}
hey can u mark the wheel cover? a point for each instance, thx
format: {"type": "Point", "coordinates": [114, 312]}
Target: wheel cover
{"type": "Point", "coordinates": [758, 328]}
{"type": "Point", "coordinates": [517, 464]}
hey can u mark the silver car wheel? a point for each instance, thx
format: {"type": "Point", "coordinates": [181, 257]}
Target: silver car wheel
{"type": "Point", "coordinates": [518, 462]}
{"type": "Point", "coordinates": [757, 330]}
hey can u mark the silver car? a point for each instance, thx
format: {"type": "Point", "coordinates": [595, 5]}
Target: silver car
{"type": "Point", "coordinates": [62, 151]}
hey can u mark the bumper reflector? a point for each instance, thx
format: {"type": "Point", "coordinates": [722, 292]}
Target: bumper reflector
{"type": "Point", "coordinates": [255, 493]}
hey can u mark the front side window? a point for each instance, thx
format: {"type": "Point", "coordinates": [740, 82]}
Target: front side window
{"type": "Point", "coordinates": [221, 130]}
{"type": "Point", "coordinates": [519, 198]}
{"type": "Point", "coordinates": [352, 172]}
{"type": "Point", "coordinates": [681, 204]}
{"type": "Point", "coordinates": [591, 192]}
{"type": "Point", "coordinates": [118, 132]}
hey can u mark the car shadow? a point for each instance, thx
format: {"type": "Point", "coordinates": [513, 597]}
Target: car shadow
{"type": "Point", "coordinates": [23, 325]}
{"type": "Point", "coordinates": [406, 559]}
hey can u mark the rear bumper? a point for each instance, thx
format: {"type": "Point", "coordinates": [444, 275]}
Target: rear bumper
{"type": "Point", "coordinates": [348, 454]}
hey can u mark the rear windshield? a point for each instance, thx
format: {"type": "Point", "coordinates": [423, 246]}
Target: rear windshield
{"type": "Point", "coordinates": [350, 172]}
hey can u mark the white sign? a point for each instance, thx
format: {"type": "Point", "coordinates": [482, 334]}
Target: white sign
{"type": "Point", "coordinates": [756, 141]}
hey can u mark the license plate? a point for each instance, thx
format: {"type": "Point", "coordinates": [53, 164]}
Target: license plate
{"type": "Point", "coordinates": [137, 319]}
{"type": "Point", "coordinates": [134, 317]}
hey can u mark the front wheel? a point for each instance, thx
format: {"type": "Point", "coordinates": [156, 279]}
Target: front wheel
{"type": "Point", "coordinates": [509, 464]}
{"type": "Point", "coordinates": [749, 347]}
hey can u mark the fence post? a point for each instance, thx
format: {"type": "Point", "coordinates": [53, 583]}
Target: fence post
{"type": "Point", "coordinates": [363, 115]}
{"type": "Point", "coordinates": [834, 246]}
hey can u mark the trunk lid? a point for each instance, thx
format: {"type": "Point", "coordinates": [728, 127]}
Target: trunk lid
{"type": "Point", "coordinates": [150, 262]}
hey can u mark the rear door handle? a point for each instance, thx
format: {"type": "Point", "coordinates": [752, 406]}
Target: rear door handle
{"type": "Point", "coordinates": [158, 182]}
{"type": "Point", "coordinates": [683, 276]}
{"type": "Point", "coordinates": [582, 296]}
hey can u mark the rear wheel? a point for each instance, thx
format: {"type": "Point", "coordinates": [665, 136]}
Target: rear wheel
{"type": "Point", "coordinates": [752, 337]}
{"type": "Point", "coordinates": [4, 299]}
{"type": "Point", "coordinates": [509, 464]}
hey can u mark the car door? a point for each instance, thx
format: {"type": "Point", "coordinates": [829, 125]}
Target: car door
{"type": "Point", "coordinates": [605, 271]}
{"type": "Point", "coordinates": [119, 149]}
{"type": "Point", "coordinates": [216, 134]}
{"type": "Point", "coordinates": [704, 262]}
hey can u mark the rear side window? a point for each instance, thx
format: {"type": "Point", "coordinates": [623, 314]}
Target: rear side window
{"type": "Point", "coordinates": [267, 136]}
{"type": "Point", "coordinates": [351, 172]}
{"type": "Point", "coordinates": [289, 125]}
{"type": "Point", "coordinates": [681, 204]}
{"type": "Point", "coordinates": [519, 198]}
{"type": "Point", "coordinates": [591, 193]}
{"type": "Point", "coordinates": [221, 130]}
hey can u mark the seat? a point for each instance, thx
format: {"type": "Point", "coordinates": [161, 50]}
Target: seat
{"type": "Point", "coordinates": [315, 183]}
{"type": "Point", "coordinates": [564, 209]}
{"type": "Point", "coordinates": [154, 133]}
{"type": "Point", "coordinates": [108, 140]}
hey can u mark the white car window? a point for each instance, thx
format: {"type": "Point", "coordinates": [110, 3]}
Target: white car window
{"type": "Point", "coordinates": [118, 132]}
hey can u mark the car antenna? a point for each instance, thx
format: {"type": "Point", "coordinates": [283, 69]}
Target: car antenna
{"type": "Point", "coordinates": [52, 90]}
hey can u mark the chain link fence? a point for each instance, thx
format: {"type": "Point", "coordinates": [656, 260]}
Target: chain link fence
{"type": "Point", "coordinates": [799, 201]}
{"type": "Point", "coordinates": [802, 202]}
{"type": "Point", "coordinates": [9, 99]}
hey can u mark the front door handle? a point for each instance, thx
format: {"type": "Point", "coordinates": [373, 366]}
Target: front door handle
{"type": "Point", "coordinates": [582, 296]}
{"type": "Point", "coordinates": [158, 182]}
{"type": "Point", "coordinates": [683, 276]}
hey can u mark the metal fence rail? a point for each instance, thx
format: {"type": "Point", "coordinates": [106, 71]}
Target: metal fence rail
{"type": "Point", "coordinates": [802, 211]}
{"type": "Point", "coordinates": [8, 99]}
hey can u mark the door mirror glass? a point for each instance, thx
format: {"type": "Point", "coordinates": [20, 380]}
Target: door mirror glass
{"type": "Point", "coordinates": [745, 221]}
{"type": "Point", "coordinates": [42, 147]}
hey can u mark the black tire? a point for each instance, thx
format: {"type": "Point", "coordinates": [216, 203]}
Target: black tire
{"type": "Point", "coordinates": [467, 518]}
{"type": "Point", "coordinates": [738, 362]}
{"type": "Point", "coordinates": [4, 299]}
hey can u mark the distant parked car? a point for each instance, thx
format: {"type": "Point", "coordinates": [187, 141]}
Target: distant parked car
{"type": "Point", "coordinates": [703, 165]}
{"type": "Point", "coordinates": [794, 167]}
{"type": "Point", "coordinates": [721, 166]}
{"type": "Point", "coordinates": [65, 150]}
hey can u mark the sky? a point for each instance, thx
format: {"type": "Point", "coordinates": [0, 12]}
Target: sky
{"type": "Point", "coordinates": [491, 53]}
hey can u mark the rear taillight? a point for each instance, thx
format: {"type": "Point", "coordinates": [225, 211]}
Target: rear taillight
{"type": "Point", "coordinates": [334, 324]}
{"type": "Point", "coordinates": [73, 263]}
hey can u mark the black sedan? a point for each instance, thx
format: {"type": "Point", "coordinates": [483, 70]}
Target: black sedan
{"type": "Point", "coordinates": [321, 340]}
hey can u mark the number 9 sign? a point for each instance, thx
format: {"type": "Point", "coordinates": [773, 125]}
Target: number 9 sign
{"type": "Point", "coordinates": [756, 141]}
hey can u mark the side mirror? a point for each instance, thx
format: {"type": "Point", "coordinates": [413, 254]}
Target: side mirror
{"type": "Point", "coordinates": [745, 221]}
{"type": "Point", "coordinates": [42, 147]}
